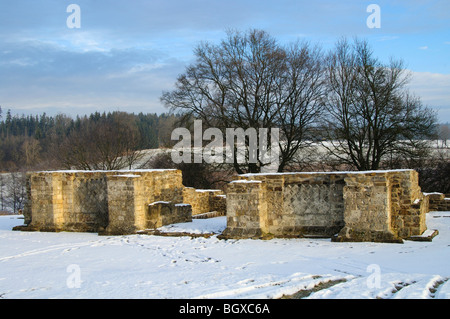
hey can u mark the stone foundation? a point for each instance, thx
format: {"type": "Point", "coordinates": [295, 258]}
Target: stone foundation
{"type": "Point", "coordinates": [384, 206]}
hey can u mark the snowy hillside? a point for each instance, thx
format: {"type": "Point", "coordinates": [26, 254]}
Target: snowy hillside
{"type": "Point", "coordinates": [85, 265]}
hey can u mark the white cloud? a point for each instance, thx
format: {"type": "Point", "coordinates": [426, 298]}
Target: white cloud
{"type": "Point", "coordinates": [434, 91]}
{"type": "Point", "coordinates": [126, 54]}
{"type": "Point", "coordinates": [434, 87]}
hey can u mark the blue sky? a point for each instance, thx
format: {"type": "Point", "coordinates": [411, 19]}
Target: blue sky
{"type": "Point", "coordinates": [127, 52]}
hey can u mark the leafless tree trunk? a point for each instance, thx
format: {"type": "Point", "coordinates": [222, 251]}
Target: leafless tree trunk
{"type": "Point", "coordinates": [30, 151]}
{"type": "Point", "coordinates": [444, 134]}
{"type": "Point", "coordinates": [2, 192]}
{"type": "Point", "coordinates": [15, 191]}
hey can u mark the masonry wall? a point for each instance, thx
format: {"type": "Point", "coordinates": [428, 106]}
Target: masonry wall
{"type": "Point", "coordinates": [438, 201]}
{"type": "Point", "coordinates": [66, 201]}
{"type": "Point", "coordinates": [291, 205]}
{"type": "Point", "coordinates": [353, 206]}
{"type": "Point", "coordinates": [383, 206]}
{"type": "Point", "coordinates": [246, 209]}
{"type": "Point", "coordinates": [409, 206]}
{"type": "Point", "coordinates": [110, 202]}
{"type": "Point", "coordinates": [165, 213]}
{"type": "Point", "coordinates": [126, 204]}
{"type": "Point", "coordinates": [205, 200]}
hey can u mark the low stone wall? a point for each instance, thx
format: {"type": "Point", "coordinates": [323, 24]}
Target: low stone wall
{"type": "Point", "coordinates": [205, 200]}
{"type": "Point", "coordinates": [166, 213]}
{"type": "Point", "coordinates": [384, 206]}
{"type": "Point", "coordinates": [355, 206]}
{"type": "Point", "coordinates": [438, 202]}
{"type": "Point", "coordinates": [109, 202]}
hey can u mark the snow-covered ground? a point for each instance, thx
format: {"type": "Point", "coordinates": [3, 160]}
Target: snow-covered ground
{"type": "Point", "coordinates": [85, 265]}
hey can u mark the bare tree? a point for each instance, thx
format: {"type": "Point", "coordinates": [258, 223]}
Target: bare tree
{"type": "Point", "coordinates": [30, 150]}
{"type": "Point", "coordinates": [444, 134]}
{"type": "Point", "coordinates": [251, 81]}
{"type": "Point", "coordinates": [109, 144]}
{"type": "Point", "coordinates": [2, 192]}
{"type": "Point", "coordinates": [434, 173]}
{"type": "Point", "coordinates": [15, 191]}
{"type": "Point", "coordinates": [370, 114]}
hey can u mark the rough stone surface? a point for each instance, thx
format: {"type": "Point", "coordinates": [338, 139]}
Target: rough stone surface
{"type": "Point", "coordinates": [438, 202]}
{"type": "Point", "coordinates": [108, 202]}
{"type": "Point", "coordinates": [384, 206]}
{"type": "Point", "coordinates": [205, 200]}
{"type": "Point", "coordinates": [166, 213]}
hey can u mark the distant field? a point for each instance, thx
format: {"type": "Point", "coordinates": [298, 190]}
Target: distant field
{"type": "Point", "coordinates": [3, 213]}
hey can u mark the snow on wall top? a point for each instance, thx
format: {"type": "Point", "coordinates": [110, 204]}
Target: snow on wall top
{"type": "Point", "coordinates": [325, 173]}
{"type": "Point", "coordinates": [106, 171]}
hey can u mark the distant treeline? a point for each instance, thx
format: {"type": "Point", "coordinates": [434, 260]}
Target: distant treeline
{"type": "Point", "coordinates": [51, 142]}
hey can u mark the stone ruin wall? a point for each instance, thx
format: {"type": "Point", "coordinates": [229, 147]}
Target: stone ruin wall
{"type": "Point", "coordinates": [438, 201]}
{"type": "Point", "coordinates": [112, 202]}
{"type": "Point", "coordinates": [285, 205]}
{"type": "Point", "coordinates": [385, 206]}
{"type": "Point", "coordinates": [131, 195]}
{"type": "Point", "coordinates": [70, 201]}
{"type": "Point", "coordinates": [205, 200]}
